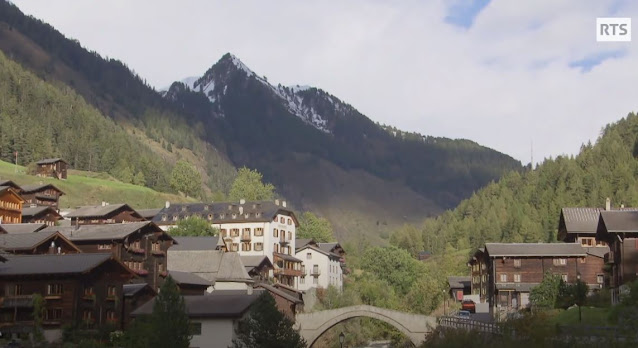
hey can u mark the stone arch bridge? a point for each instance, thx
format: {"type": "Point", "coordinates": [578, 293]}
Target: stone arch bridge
{"type": "Point", "coordinates": [414, 326]}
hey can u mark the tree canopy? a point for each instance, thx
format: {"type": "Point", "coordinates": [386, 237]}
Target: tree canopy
{"type": "Point", "coordinates": [248, 185]}
{"type": "Point", "coordinates": [193, 226]}
{"type": "Point", "coordinates": [317, 228]}
{"type": "Point", "coordinates": [186, 179]}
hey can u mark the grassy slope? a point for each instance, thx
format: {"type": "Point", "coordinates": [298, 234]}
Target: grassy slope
{"type": "Point", "coordinates": [86, 188]}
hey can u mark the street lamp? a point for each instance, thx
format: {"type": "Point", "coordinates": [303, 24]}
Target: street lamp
{"type": "Point", "coordinates": [342, 338]}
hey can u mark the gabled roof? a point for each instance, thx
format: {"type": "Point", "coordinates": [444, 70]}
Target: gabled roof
{"type": "Point", "coordinates": [598, 251]}
{"type": "Point", "coordinates": [618, 221]}
{"type": "Point", "coordinates": [222, 212]}
{"type": "Point", "coordinates": [21, 228]}
{"type": "Point", "coordinates": [255, 261]}
{"type": "Point", "coordinates": [279, 292]}
{"type": "Point", "coordinates": [534, 249]}
{"type": "Point", "coordinates": [195, 243]}
{"type": "Point", "coordinates": [321, 251]}
{"type": "Point", "coordinates": [215, 265]}
{"type": "Point", "coordinates": [148, 214]}
{"type": "Point", "coordinates": [29, 241]}
{"type": "Point", "coordinates": [301, 242]}
{"type": "Point", "coordinates": [11, 184]}
{"type": "Point", "coordinates": [580, 220]}
{"type": "Point", "coordinates": [459, 282]}
{"type": "Point", "coordinates": [100, 211]}
{"type": "Point", "coordinates": [187, 278]}
{"type": "Point", "coordinates": [130, 290]}
{"type": "Point", "coordinates": [50, 161]}
{"type": "Point", "coordinates": [40, 187]}
{"type": "Point", "coordinates": [287, 257]}
{"type": "Point", "coordinates": [48, 264]}
{"type": "Point", "coordinates": [218, 304]}
{"type": "Point", "coordinates": [11, 191]}
{"type": "Point", "coordinates": [84, 233]}
{"type": "Point", "coordinates": [35, 211]}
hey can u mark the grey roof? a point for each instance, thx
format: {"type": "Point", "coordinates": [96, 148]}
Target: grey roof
{"type": "Point", "coordinates": [253, 211]}
{"type": "Point", "coordinates": [279, 292]}
{"type": "Point", "coordinates": [102, 232]}
{"type": "Point", "coordinates": [523, 287]}
{"type": "Point", "coordinates": [148, 214]}
{"type": "Point", "coordinates": [322, 251]}
{"type": "Point", "coordinates": [213, 265]}
{"type": "Point", "coordinates": [534, 249]}
{"type": "Point", "coordinates": [97, 210]}
{"type": "Point", "coordinates": [287, 257]}
{"type": "Point", "coordinates": [619, 221]}
{"type": "Point", "coordinates": [34, 211]}
{"type": "Point", "coordinates": [132, 289]}
{"type": "Point", "coordinates": [10, 184]}
{"type": "Point", "coordinates": [598, 251]}
{"type": "Point", "coordinates": [187, 278]}
{"type": "Point", "coordinates": [21, 228]}
{"type": "Point", "coordinates": [254, 261]}
{"type": "Point", "coordinates": [580, 220]}
{"type": "Point", "coordinates": [458, 282]}
{"type": "Point", "coordinates": [195, 243]}
{"type": "Point", "coordinates": [24, 241]}
{"type": "Point", "coordinates": [39, 187]}
{"type": "Point", "coordinates": [47, 264]}
{"type": "Point", "coordinates": [218, 304]}
{"type": "Point", "coordinates": [301, 242]}
{"type": "Point", "coordinates": [50, 161]}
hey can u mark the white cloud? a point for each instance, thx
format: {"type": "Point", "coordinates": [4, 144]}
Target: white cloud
{"type": "Point", "coordinates": [502, 82]}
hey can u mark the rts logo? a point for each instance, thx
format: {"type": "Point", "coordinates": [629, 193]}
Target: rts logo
{"type": "Point", "coordinates": [613, 29]}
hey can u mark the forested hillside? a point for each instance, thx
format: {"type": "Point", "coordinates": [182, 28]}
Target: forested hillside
{"type": "Point", "coordinates": [526, 207]}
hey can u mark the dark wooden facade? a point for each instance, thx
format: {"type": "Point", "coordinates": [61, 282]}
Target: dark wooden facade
{"type": "Point", "coordinates": [89, 299]}
{"type": "Point", "coordinates": [10, 206]}
{"type": "Point", "coordinates": [104, 214]}
{"type": "Point", "coordinates": [42, 194]}
{"type": "Point", "coordinates": [52, 167]}
{"type": "Point", "coordinates": [37, 244]}
{"type": "Point", "coordinates": [135, 295]}
{"type": "Point", "coordinates": [40, 215]}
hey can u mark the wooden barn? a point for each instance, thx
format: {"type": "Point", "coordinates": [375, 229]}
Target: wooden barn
{"type": "Point", "coordinates": [52, 168]}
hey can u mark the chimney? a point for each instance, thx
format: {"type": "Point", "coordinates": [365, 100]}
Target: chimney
{"type": "Point", "coordinates": [167, 204]}
{"type": "Point", "coordinates": [103, 203]}
{"type": "Point", "coordinates": [241, 210]}
{"type": "Point", "coordinates": [608, 204]}
{"type": "Point", "coordinates": [283, 204]}
{"type": "Point", "coordinates": [276, 202]}
{"type": "Point", "coordinates": [242, 201]}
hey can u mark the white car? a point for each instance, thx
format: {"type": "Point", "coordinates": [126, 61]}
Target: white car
{"type": "Point", "coordinates": [463, 314]}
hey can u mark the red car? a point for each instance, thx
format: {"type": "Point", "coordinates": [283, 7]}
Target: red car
{"type": "Point", "coordinates": [468, 305]}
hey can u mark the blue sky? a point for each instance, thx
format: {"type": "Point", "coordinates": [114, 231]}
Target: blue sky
{"type": "Point", "coordinates": [504, 73]}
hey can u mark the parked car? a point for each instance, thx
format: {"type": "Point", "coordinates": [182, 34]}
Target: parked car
{"type": "Point", "coordinates": [463, 314]}
{"type": "Point", "coordinates": [468, 305]}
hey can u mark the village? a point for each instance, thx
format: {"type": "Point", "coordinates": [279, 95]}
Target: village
{"type": "Point", "coordinates": [103, 265]}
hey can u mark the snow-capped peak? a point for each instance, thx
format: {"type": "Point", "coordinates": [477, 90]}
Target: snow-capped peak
{"type": "Point", "coordinates": [240, 65]}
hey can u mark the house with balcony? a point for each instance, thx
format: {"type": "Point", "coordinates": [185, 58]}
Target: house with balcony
{"type": "Point", "coordinates": [21, 228]}
{"type": "Point", "coordinates": [42, 194]}
{"type": "Point", "coordinates": [40, 215]}
{"type": "Point", "coordinates": [250, 228]}
{"type": "Point", "coordinates": [11, 184]}
{"type": "Point", "coordinates": [503, 274]}
{"type": "Point", "coordinates": [320, 268]}
{"type": "Point", "coordinates": [104, 214]}
{"type": "Point", "coordinates": [78, 289]}
{"type": "Point", "coordinates": [141, 246]}
{"type": "Point", "coordinates": [10, 206]}
{"type": "Point", "coordinates": [52, 168]}
{"type": "Point", "coordinates": [49, 242]}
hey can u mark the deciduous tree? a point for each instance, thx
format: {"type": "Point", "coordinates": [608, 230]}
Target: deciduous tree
{"type": "Point", "coordinates": [248, 185]}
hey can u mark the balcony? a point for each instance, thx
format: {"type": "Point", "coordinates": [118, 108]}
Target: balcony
{"type": "Point", "coordinates": [288, 272]}
{"type": "Point", "coordinates": [137, 251]}
{"type": "Point", "coordinates": [315, 272]}
{"type": "Point", "coordinates": [283, 240]}
{"type": "Point", "coordinates": [158, 253]}
{"type": "Point", "coordinates": [17, 301]}
{"type": "Point", "coordinates": [245, 237]}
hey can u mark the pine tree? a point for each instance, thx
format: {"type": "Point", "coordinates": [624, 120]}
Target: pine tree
{"type": "Point", "coordinates": [169, 321]}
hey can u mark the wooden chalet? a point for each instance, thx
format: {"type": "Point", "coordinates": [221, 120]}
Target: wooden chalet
{"type": "Point", "coordinates": [40, 215]}
{"type": "Point", "coordinates": [11, 184]}
{"type": "Point", "coordinates": [503, 274]}
{"type": "Point", "coordinates": [52, 168]}
{"type": "Point", "coordinates": [620, 230]}
{"type": "Point", "coordinates": [459, 287]}
{"type": "Point", "coordinates": [78, 289]}
{"type": "Point", "coordinates": [189, 283]}
{"type": "Point", "coordinates": [258, 267]}
{"type": "Point", "coordinates": [286, 269]}
{"type": "Point", "coordinates": [46, 242]}
{"type": "Point", "coordinates": [286, 303]}
{"type": "Point", "coordinates": [10, 206]}
{"type": "Point", "coordinates": [104, 214]}
{"type": "Point", "coordinates": [141, 246]}
{"type": "Point", "coordinates": [42, 194]}
{"type": "Point", "coordinates": [21, 228]}
{"type": "Point", "coordinates": [335, 248]}
{"type": "Point", "coordinates": [135, 295]}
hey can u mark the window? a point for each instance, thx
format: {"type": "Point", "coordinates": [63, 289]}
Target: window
{"type": "Point", "coordinates": [224, 233]}
{"type": "Point", "coordinates": [315, 269]}
{"type": "Point", "coordinates": [303, 269]}
{"type": "Point", "coordinates": [308, 256]}
{"type": "Point", "coordinates": [517, 263]}
{"type": "Point", "coordinates": [259, 246]}
{"type": "Point", "coordinates": [560, 262]}
{"type": "Point", "coordinates": [104, 247]}
{"type": "Point", "coordinates": [195, 329]}
{"type": "Point", "coordinates": [206, 207]}
{"type": "Point", "coordinates": [136, 245]}
{"type": "Point", "coordinates": [53, 314]}
{"type": "Point", "coordinates": [600, 278]}
{"type": "Point", "coordinates": [247, 230]}
{"type": "Point", "coordinates": [583, 260]}
{"type": "Point", "coordinates": [18, 289]}
{"type": "Point", "coordinates": [210, 217]}
{"type": "Point", "coordinates": [484, 278]}
{"type": "Point", "coordinates": [564, 277]}
{"type": "Point", "coordinates": [587, 242]}
{"type": "Point", "coordinates": [161, 268]}
{"type": "Point", "coordinates": [234, 247]}
{"type": "Point", "coordinates": [289, 235]}
{"type": "Point", "coordinates": [517, 278]}
{"type": "Point", "coordinates": [245, 246]}
{"type": "Point", "coordinates": [289, 221]}
{"type": "Point", "coordinates": [234, 232]}
{"type": "Point", "coordinates": [503, 277]}
{"type": "Point", "coordinates": [88, 291]}
{"type": "Point", "coordinates": [282, 220]}
{"type": "Point", "coordinates": [275, 247]}
{"type": "Point", "coordinates": [110, 315]}
{"type": "Point", "coordinates": [110, 291]}
{"type": "Point", "coordinates": [275, 233]}
{"type": "Point", "coordinates": [174, 217]}
{"type": "Point", "coordinates": [164, 218]}
{"type": "Point", "coordinates": [87, 315]}
{"type": "Point", "coordinates": [259, 232]}
{"type": "Point", "coordinates": [54, 289]}
{"type": "Point", "coordinates": [483, 266]}
{"type": "Point", "coordinates": [302, 280]}
{"type": "Point", "coordinates": [155, 246]}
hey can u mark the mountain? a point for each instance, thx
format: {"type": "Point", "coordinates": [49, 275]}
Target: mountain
{"type": "Point", "coordinates": [526, 207]}
{"type": "Point", "coordinates": [321, 153]}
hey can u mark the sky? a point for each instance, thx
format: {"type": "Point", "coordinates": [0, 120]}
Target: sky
{"type": "Point", "coordinates": [524, 77]}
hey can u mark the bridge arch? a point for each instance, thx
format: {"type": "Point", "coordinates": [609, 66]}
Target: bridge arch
{"type": "Point", "coordinates": [312, 325]}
